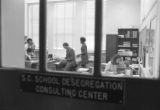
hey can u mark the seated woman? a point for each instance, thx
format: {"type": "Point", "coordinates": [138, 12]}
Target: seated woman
{"type": "Point", "coordinates": [113, 66]}
{"type": "Point", "coordinates": [28, 55]}
{"type": "Point", "coordinates": [50, 57]}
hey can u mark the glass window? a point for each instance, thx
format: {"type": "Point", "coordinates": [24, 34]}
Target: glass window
{"type": "Point", "coordinates": [130, 45]}
{"type": "Point", "coordinates": [31, 34]}
{"type": "Point", "coordinates": [20, 22]}
{"type": "Point", "coordinates": [68, 21]}
{"type": "Point", "coordinates": [130, 41]}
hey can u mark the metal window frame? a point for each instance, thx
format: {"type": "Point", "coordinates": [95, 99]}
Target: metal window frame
{"type": "Point", "coordinates": [0, 36]}
{"type": "Point", "coordinates": [43, 32]}
{"type": "Point", "coordinates": [42, 35]}
{"type": "Point", "coordinates": [98, 36]}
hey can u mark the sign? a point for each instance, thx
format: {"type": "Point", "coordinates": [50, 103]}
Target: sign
{"type": "Point", "coordinates": [91, 88]}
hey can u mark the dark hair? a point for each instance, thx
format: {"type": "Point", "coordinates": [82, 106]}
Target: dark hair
{"type": "Point", "coordinates": [114, 58]}
{"type": "Point", "coordinates": [65, 44]}
{"type": "Point", "coordinates": [29, 50]}
{"type": "Point", "coordinates": [50, 55]}
{"type": "Point", "coordinates": [29, 39]}
{"type": "Point", "coordinates": [83, 39]}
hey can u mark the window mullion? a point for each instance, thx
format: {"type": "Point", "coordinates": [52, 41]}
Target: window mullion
{"type": "Point", "coordinates": [98, 37]}
{"type": "Point", "coordinates": [42, 36]}
{"type": "Point", "coordinates": [0, 37]}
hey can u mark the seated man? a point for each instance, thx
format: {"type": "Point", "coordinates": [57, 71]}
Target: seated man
{"type": "Point", "coordinates": [69, 63]}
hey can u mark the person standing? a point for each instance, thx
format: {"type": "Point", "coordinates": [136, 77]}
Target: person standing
{"type": "Point", "coordinates": [69, 63]}
{"type": "Point", "coordinates": [84, 53]}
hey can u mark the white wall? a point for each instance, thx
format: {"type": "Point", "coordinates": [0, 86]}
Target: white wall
{"type": "Point", "coordinates": [12, 33]}
{"type": "Point", "coordinates": [151, 10]}
{"type": "Point", "coordinates": [146, 6]}
{"type": "Point", "coordinates": [78, 24]}
{"type": "Point", "coordinates": [120, 14]}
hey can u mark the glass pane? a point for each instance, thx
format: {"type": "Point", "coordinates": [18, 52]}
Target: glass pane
{"type": "Point", "coordinates": [32, 35]}
{"type": "Point", "coordinates": [60, 26]}
{"type": "Point", "coordinates": [20, 22]}
{"type": "Point", "coordinates": [68, 21]}
{"type": "Point", "coordinates": [68, 26]}
{"type": "Point", "coordinates": [130, 45]}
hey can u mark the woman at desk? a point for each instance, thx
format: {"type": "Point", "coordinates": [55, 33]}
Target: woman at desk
{"type": "Point", "coordinates": [113, 65]}
{"type": "Point", "coordinates": [30, 45]}
{"type": "Point", "coordinates": [28, 56]}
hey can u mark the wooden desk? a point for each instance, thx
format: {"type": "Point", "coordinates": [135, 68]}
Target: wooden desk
{"type": "Point", "coordinates": [31, 64]}
{"type": "Point", "coordinates": [52, 65]}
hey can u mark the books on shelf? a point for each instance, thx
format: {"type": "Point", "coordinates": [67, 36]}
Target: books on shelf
{"type": "Point", "coordinates": [135, 34]}
{"type": "Point", "coordinates": [135, 53]}
{"type": "Point", "coordinates": [128, 43]}
{"type": "Point", "coordinates": [125, 44]}
{"type": "Point", "coordinates": [125, 52]}
{"type": "Point", "coordinates": [127, 34]}
{"type": "Point", "coordinates": [134, 60]}
{"type": "Point", "coordinates": [121, 36]}
{"type": "Point", "coordinates": [134, 45]}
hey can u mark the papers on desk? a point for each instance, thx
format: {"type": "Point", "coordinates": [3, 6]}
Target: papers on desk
{"type": "Point", "coordinates": [31, 64]}
{"type": "Point", "coordinates": [133, 66]}
{"type": "Point", "coordinates": [57, 63]}
{"type": "Point", "coordinates": [83, 70]}
{"type": "Point", "coordinates": [112, 74]}
{"type": "Point", "coordinates": [32, 61]}
{"type": "Point", "coordinates": [87, 71]}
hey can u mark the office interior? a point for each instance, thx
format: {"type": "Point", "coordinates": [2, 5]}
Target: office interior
{"type": "Point", "coordinates": [68, 20]}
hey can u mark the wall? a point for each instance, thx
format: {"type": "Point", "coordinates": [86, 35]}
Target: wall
{"type": "Point", "coordinates": [150, 10]}
{"type": "Point", "coordinates": [120, 14]}
{"type": "Point", "coordinates": [146, 6]}
{"type": "Point", "coordinates": [12, 33]}
{"type": "Point", "coordinates": [78, 30]}
{"type": "Point", "coordinates": [139, 95]}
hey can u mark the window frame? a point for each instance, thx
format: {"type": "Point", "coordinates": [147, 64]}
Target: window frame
{"type": "Point", "coordinates": [43, 41]}
{"type": "Point", "coordinates": [0, 37]}
{"type": "Point", "coordinates": [43, 37]}
{"type": "Point", "coordinates": [42, 45]}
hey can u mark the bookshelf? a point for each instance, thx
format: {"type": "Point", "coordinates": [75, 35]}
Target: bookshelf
{"type": "Point", "coordinates": [128, 44]}
{"type": "Point", "coordinates": [111, 46]}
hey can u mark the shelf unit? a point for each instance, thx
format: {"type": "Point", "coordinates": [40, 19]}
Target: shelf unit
{"type": "Point", "coordinates": [128, 44]}
{"type": "Point", "coordinates": [111, 46]}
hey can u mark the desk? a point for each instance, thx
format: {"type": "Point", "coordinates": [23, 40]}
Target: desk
{"type": "Point", "coordinates": [32, 64]}
{"type": "Point", "coordinates": [52, 65]}
{"type": "Point", "coordinates": [135, 68]}
{"type": "Point", "coordinates": [111, 74]}
{"type": "Point", "coordinates": [85, 70]}
{"type": "Point", "coordinates": [122, 72]}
